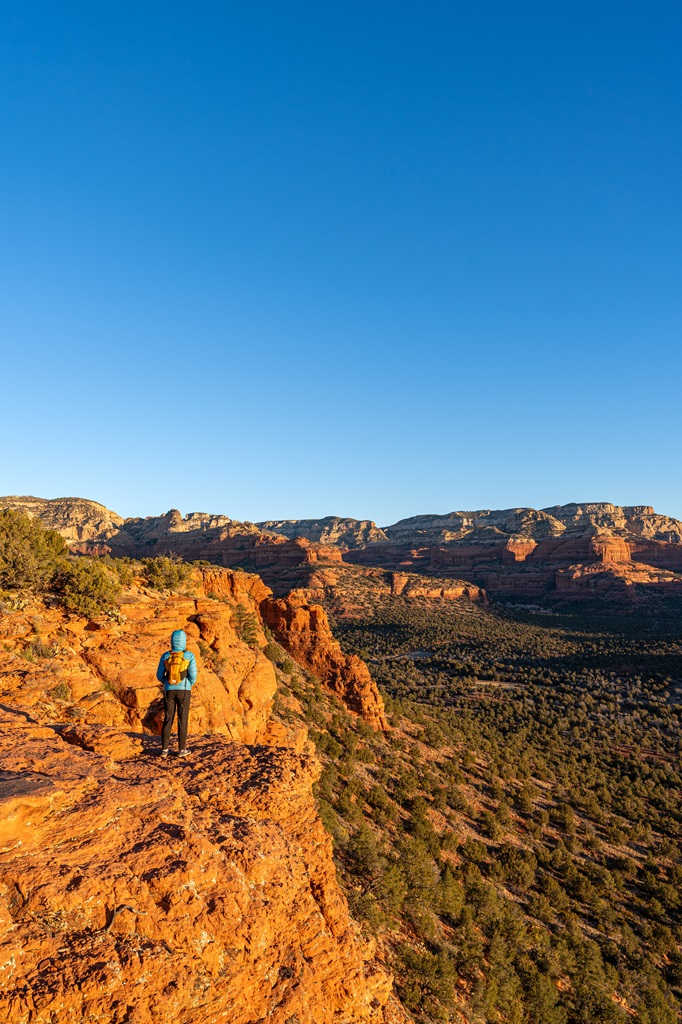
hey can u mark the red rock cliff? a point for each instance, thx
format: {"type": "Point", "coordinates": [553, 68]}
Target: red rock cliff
{"type": "Point", "coordinates": [135, 890]}
{"type": "Point", "coordinates": [303, 630]}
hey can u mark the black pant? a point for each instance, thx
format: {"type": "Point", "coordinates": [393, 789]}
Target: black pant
{"type": "Point", "coordinates": [175, 700]}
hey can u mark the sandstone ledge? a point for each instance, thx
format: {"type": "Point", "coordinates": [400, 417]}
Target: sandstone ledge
{"type": "Point", "coordinates": [219, 868]}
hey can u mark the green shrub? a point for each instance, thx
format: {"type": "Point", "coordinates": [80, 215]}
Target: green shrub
{"type": "Point", "coordinates": [422, 919]}
{"type": "Point", "coordinates": [126, 569]}
{"type": "Point", "coordinates": [392, 889]}
{"type": "Point", "coordinates": [564, 818]}
{"type": "Point", "coordinates": [490, 826]}
{"type": "Point", "coordinates": [449, 897]}
{"type": "Point", "coordinates": [87, 588]}
{"type": "Point", "coordinates": [330, 819]}
{"type": "Point", "coordinates": [427, 977]}
{"type": "Point", "coordinates": [274, 653]}
{"type": "Point", "coordinates": [364, 854]}
{"type": "Point", "coordinates": [326, 744]}
{"type": "Point", "coordinates": [39, 649]}
{"type": "Point", "coordinates": [30, 555]}
{"type": "Point", "coordinates": [164, 573]}
{"type": "Point", "coordinates": [514, 866]}
{"type": "Point", "coordinates": [456, 799]}
{"type": "Point", "coordinates": [366, 755]}
{"type": "Point", "coordinates": [365, 907]}
{"type": "Point", "coordinates": [60, 692]}
{"type": "Point", "coordinates": [474, 850]}
{"type": "Point", "coordinates": [383, 809]}
{"type": "Point", "coordinates": [245, 625]}
{"type": "Point", "coordinates": [272, 650]}
{"type": "Point", "coordinates": [419, 867]}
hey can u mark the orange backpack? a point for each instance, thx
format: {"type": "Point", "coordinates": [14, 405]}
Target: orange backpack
{"type": "Point", "coordinates": [175, 668]}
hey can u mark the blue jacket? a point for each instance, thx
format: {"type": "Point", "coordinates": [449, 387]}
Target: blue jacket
{"type": "Point", "coordinates": [178, 643]}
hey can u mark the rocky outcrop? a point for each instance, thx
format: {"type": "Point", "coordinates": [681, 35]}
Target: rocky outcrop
{"type": "Point", "coordinates": [173, 533]}
{"type": "Point", "coordinates": [521, 552]}
{"type": "Point", "coordinates": [624, 520]}
{"type": "Point", "coordinates": [609, 548]}
{"type": "Point", "coordinates": [198, 537]}
{"type": "Point", "coordinates": [101, 739]}
{"type": "Point", "coordinates": [350, 590]}
{"type": "Point", "coordinates": [482, 526]}
{"type": "Point", "coordinates": [658, 553]}
{"type": "Point", "coordinates": [145, 891]}
{"type": "Point", "coordinates": [518, 548]}
{"type": "Point", "coordinates": [354, 589]}
{"type": "Point", "coordinates": [235, 587]}
{"type": "Point", "coordinates": [106, 669]}
{"type": "Point", "coordinates": [416, 587]}
{"type": "Point", "coordinates": [91, 529]}
{"type": "Point", "coordinates": [303, 630]}
{"type": "Point", "coordinates": [305, 634]}
{"type": "Point", "coordinates": [616, 581]}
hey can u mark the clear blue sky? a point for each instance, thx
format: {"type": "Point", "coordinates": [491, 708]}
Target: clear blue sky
{"type": "Point", "coordinates": [294, 259]}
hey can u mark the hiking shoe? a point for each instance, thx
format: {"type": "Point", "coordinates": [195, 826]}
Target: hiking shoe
{"type": "Point", "coordinates": [164, 753]}
{"type": "Point", "coordinates": [183, 753]}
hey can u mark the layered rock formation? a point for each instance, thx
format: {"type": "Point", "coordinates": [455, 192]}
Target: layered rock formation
{"type": "Point", "coordinates": [521, 552]}
{"type": "Point", "coordinates": [356, 590]}
{"type": "Point", "coordinates": [616, 580]}
{"type": "Point", "coordinates": [135, 890]}
{"type": "Point", "coordinates": [411, 586]}
{"type": "Point", "coordinates": [515, 551]}
{"type": "Point", "coordinates": [539, 524]}
{"type": "Point", "coordinates": [212, 538]}
{"type": "Point", "coordinates": [91, 529]}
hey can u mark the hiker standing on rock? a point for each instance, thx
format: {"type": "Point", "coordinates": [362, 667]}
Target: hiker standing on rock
{"type": "Point", "coordinates": [178, 672]}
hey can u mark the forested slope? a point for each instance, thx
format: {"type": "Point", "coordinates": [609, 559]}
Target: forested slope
{"type": "Point", "coordinates": [514, 839]}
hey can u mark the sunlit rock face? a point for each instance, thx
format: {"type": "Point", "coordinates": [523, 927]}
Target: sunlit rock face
{"type": "Point", "coordinates": [136, 889]}
{"type": "Point", "coordinates": [202, 891]}
{"type": "Point", "coordinates": [303, 629]}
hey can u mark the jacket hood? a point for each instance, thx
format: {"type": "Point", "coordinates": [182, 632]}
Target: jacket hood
{"type": "Point", "coordinates": [178, 640]}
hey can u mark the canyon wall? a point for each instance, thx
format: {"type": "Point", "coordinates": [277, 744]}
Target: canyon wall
{"type": "Point", "coordinates": [507, 552]}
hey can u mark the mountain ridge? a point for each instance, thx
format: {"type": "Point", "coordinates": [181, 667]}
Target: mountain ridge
{"type": "Point", "coordinates": [571, 551]}
{"type": "Point", "coordinates": [334, 529]}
